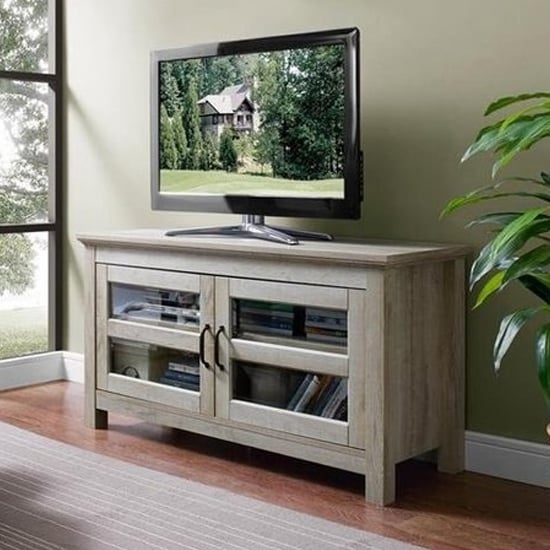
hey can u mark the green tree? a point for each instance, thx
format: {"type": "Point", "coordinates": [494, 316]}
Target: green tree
{"type": "Point", "coordinates": [180, 139]}
{"type": "Point", "coordinates": [170, 95]}
{"type": "Point", "coordinates": [24, 123]}
{"type": "Point", "coordinates": [191, 123]}
{"type": "Point", "coordinates": [300, 94]}
{"type": "Point", "coordinates": [209, 159]}
{"type": "Point", "coordinates": [168, 152]}
{"type": "Point", "coordinates": [228, 153]}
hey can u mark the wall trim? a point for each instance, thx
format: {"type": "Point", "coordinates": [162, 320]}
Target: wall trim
{"type": "Point", "coordinates": [492, 455]}
{"type": "Point", "coordinates": [41, 368]}
{"type": "Point", "coordinates": [508, 458]}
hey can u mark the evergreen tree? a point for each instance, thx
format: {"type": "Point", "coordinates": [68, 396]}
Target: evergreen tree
{"type": "Point", "coordinates": [168, 152]}
{"type": "Point", "coordinates": [169, 92]}
{"type": "Point", "coordinates": [228, 153]}
{"type": "Point", "coordinates": [209, 160]}
{"type": "Point", "coordinates": [180, 139]}
{"type": "Point", "coordinates": [191, 123]}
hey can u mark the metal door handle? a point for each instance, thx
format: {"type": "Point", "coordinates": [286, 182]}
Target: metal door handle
{"type": "Point", "coordinates": [201, 346]}
{"type": "Point", "coordinates": [219, 332]}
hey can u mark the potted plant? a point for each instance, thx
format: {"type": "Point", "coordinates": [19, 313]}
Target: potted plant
{"type": "Point", "coordinates": [518, 250]}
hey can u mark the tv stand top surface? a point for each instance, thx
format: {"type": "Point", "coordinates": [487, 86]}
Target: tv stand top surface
{"type": "Point", "coordinates": [353, 251]}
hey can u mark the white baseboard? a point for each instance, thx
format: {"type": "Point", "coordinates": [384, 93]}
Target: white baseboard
{"type": "Point", "coordinates": [502, 457]}
{"type": "Point", "coordinates": [41, 368]}
{"type": "Point", "coordinates": [508, 458]}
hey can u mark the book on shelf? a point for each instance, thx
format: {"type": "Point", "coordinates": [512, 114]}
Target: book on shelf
{"type": "Point", "coordinates": [342, 411]}
{"type": "Point", "coordinates": [257, 305]}
{"type": "Point", "coordinates": [186, 362]}
{"type": "Point", "coordinates": [338, 396]}
{"type": "Point", "coordinates": [277, 331]}
{"type": "Point", "coordinates": [325, 395]}
{"type": "Point", "coordinates": [180, 384]}
{"type": "Point", "coordinates": [307, 395]}
{"type": "Point", "coordinates": [322, 393]}
{"type": "Point", "coordinates": [323, 320]}
{"type": "Point", "coordinates": [182, 376]}
{"type": "Point", "coordinates": [299, 391]}
{"type": "Point", "coordinates": [316, 334]}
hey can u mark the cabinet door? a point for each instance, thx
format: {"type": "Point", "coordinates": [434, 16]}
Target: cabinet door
{"type": "Point", "coordinates": [151, 332]}
{"type": "Point", "coordinates": [286, 358]}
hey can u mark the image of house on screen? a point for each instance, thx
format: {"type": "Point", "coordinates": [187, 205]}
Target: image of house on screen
{"type": "Point", "coordinates": [232, 108]}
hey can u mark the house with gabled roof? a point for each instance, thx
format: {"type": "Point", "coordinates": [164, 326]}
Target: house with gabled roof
{"type": "Point", "coordinates": [232, 107]}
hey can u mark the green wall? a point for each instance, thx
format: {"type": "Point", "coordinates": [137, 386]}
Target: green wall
{"type": "Point", "coordinates": [428, 70]}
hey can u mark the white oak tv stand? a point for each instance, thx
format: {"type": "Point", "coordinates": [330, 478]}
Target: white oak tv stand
{"type": "Point", "coordinates": [348, 354]}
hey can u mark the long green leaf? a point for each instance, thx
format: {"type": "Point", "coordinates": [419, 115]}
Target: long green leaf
{"type": "Point", "coordinates": [497, 218]}
{"type": "Point", "coordinates": [543, 359]}
{"type": "Point", "coordinates": [466, 200]}
{"type": "Point", "coordinates": [510, 325]}
{"type": "Point", "coordinates": [493, 284]}
{"type": "Point", "coordinates": [534, 260]}
{"type": "Point", "coordinates": [509, 100]}
{"type": "Point", "coordinates": [538, 130]}
{"type": "Point", "coordinates": [507, 242]}
{"type": "Point", "coordinates": [493, 138]}
{"type": "Point", "coordinates": [545, 105]}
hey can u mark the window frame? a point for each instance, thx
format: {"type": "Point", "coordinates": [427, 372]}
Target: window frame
{"type": "Point", "coordinates": [56, 146]}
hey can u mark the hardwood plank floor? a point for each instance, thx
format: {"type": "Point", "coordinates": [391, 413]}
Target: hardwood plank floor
{"type": "Point", "coordinates": [438, 511]}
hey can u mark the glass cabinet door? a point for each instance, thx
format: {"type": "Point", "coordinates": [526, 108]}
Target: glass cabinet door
{"type": "Point", "coordinates": [151, 328]}
{"type": "Point", "coordinates": [286, 356]}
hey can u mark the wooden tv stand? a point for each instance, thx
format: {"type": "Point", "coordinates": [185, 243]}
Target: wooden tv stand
{"type": "Point", "coordinates": [249, 341]}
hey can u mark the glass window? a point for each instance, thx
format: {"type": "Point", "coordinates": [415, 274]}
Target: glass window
{"type": "Point", "coordinates": [25, 35]}
{"type": "Point", "coordinates": [24, 287]}
{"type": "Point", "coordinates": [30, 176]}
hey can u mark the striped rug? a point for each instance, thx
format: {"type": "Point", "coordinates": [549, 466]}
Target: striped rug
{"type": "Point", "coordinates": [54, 496]}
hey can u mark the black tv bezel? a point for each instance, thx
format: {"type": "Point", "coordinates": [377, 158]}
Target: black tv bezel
{"type": "Point", "coordinates": [347, 208]}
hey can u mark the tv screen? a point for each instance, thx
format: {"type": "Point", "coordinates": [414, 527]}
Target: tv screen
{"type": "Point", "coordinates": [266, 126]}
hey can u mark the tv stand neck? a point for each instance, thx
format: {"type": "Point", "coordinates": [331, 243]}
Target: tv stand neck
{"type": "Point", "coordinates": [253, 226]}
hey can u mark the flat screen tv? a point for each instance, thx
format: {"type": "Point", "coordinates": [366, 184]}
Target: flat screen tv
{"type": "Point", "coordinates": [258, 127]}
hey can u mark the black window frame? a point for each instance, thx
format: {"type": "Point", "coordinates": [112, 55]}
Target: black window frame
{"type": "Point", "coordinates": [55, 224]}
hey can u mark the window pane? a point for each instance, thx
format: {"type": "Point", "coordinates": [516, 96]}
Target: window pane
{"type": "Point", "coordinates": [23, 294]}
{"type": "Point", "coordinates": [24, 35]}
{"type": "Point", "coordinates": [24, 151]}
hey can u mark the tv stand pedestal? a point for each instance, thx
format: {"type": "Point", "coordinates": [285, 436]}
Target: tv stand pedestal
{"type": "Point", "coordinates": [254, 227]}
{"type": "Point", "coordinates": [347, 354]}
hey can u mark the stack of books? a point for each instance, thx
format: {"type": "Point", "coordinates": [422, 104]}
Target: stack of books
{"type": "Point", "coordinates": [329, 326]}
{"type": "Point", "coordinates": [183, 373]}
{"type": "Point", "coordinates": [321, 395]}
{"type": "Point", "coordinates": [266, 317]}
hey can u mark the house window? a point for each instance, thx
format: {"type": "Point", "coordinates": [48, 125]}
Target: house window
{"type": "Point", "coordinates": [214, 119]}
{"type": "Point", "coordinates": [30, 176]}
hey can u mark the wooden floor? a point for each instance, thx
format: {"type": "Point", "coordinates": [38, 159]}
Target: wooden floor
{"type": "Point", "coordinates": [437, 511]}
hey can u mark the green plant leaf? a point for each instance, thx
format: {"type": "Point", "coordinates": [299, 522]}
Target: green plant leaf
{"type": "Point", "coordinates": [545, 176]}
{"type": "Point", "coordinates": [532, 133]}
{"type": "Point", "coordinates": [497, 218]}
{"type": "Point", "coordinates": [545, 105]}
{"type": "Point", "coordinates": [508, 241]}
{"type": "Point", "coordinates": [510, 100]}
{"type": "Point", "coordinates": [510, 326]}
{"type": "Point", "coordinates": [534, 260]}
{"type": "Point", "coordinates": [542, 352]}
{"type": "Point", "coordinates": [493, 284]}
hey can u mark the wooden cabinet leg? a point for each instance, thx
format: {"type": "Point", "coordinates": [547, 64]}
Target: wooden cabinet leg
{"type": "Point", "coordinates": [380, 485]}
{"type": "Point", "coordinates": [97, 419]}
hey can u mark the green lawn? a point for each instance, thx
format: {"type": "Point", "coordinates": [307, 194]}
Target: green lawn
{"type": "Point", "coordinates": [218, 182]}
{"type": "Point", "coordinates": [23, 331]}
